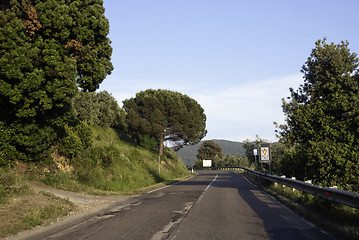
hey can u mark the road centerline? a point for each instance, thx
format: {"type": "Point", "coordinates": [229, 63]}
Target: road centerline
{"type": "Point", "coordinates": [188, 205]}
{"type": "Point", "coordinates": [211, 183]}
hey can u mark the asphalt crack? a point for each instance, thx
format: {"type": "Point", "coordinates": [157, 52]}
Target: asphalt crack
{"type": "Point", "coordinates": [177, 218]}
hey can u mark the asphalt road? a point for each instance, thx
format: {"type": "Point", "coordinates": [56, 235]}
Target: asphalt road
{"type": "Point", "coordinates": [210, 205]}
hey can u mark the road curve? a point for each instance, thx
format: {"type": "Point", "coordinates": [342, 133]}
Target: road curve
{"type": "Point", "coordinates": [210, 205]}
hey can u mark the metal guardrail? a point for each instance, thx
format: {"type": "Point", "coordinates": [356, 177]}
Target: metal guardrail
{"type": "Point", "coordinates": [348, 198]}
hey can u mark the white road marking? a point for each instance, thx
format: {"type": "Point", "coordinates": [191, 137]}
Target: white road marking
{"type": "Point", "coordinates": [211, 183]}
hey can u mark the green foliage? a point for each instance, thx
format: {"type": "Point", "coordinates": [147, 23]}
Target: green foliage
{"type": "Point", "coordinates": [47, 48]}
{"type": "Point", "coordinates": [7, 150]}
{"type": "Point", "coordinates": [110, 113]}
{"type": "Point", "coordinates": [86, 107]}
{"type": "Point", "coordinates": [224, 161]}
{"type": "Point", "coordinates": [227, 161]}
{"type": "Point", "coordinates": [188, 153]}
{"type": "Point", "coordinates": [114, 165]}
{"type": "Point", "coordinates": [99, 108]}
{"type": "Point", "coordinates": [322, 118]}
{"type": "Point", "coordinates": [208, 150]}
{"type": "Point", "coordinates": [166, 116]}
{"type": "Point", "coordinates": [89, 45]}
{"type": "Point", "coordinates": [77, 139]}
{"type": "Point", "coordinates": [148, 142]}
{"type": "Point", "coordinates": [198, 164]}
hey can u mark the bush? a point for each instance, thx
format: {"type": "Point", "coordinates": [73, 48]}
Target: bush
{"type": "Point", "coordinates": [148, 142]}
{"type": "Point", "coordinates": [58, 180]}
{"type": "Point", "coordinates": [25, 141]}
{"type": "Point", "coordinates": [7, 150]}
{"type": "Point", "coordinates": [100, 108]}
{"type": "Point", "coordinates": [78, 138]}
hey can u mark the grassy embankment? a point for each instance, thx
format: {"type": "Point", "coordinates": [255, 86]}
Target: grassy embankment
{"type": "Point", "coordinates": [339, 220]}
{"type": "Point", "coordinates": [110, 166]}
{"type": "Point", "coordinates": [115, 165]}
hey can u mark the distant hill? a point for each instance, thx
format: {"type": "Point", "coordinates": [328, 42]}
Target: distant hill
{"type": "Point", "coordinates": [188, 153]}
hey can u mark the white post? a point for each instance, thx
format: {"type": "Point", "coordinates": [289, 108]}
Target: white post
{"type": "Point", "coordinates": [159, 164]}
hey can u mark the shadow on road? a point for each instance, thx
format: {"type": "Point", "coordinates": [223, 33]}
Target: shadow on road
{"type": "Point", "coordinates": [279, 222]}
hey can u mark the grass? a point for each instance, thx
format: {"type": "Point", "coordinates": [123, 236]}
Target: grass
{"type": "Point", "coordinates": [110, 165]}
{"type": "Point", "coordinates": [114, 165]}
{"type": "Point", "coordinates": [340, 220]}
{"type": "Point", "coordinates": [22, 208]}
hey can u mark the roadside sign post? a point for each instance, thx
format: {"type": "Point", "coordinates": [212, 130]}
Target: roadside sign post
{"type": "Point", "coordinates": [255, 153]}
{"type": "Point", "coordinates": [265, 154]}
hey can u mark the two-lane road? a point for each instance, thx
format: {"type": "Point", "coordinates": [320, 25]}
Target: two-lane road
{"type": "Point", "coordinates": [210, 205]}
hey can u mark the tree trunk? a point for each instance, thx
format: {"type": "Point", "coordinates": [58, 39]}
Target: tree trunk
{"type": "Point", "coordinates": [161, 144]}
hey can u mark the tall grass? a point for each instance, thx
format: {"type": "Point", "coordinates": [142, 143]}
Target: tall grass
{"type": "Point", "coordinates": [112, 164]}
{"type": "Point", "coordinates": [10, 184]}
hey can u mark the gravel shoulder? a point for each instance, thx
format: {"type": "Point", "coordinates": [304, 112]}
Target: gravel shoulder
{"type": "Point", "coordinates": [82, 200]}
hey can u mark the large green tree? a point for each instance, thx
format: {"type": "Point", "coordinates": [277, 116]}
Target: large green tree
{"type": "Point", "coordinates": [208, 150]}
{"type": "Point", "coordinates": [48, 49]}
{"type": "Point", "coordinates": [322, 118]}
{"type": "Point", "coordinates": [165, 116]}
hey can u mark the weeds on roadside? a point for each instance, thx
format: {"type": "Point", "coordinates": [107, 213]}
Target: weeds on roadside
{"type": "Point", "coordinates": [36, 217]}
{"type": "Point", "coordinates": [23, 208]}
{"type": "Point", "coordinates": [10, 184]}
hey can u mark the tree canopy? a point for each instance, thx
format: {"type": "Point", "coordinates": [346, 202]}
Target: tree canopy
{"type": "Point", "coordinates": [208, 150]}
{"type": "Point", "coordinates": [165, 116]}
{"type": "Point", "coordinates": [48, 49]}
{"type": "Point", "coordinates": [99, 109]}
{"type": "Point", "coordinates": [322, 118]}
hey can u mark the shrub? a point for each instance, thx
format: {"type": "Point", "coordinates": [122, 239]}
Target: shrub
{"type": "Point", "coordinates": [78, 138]}
{"type": "Point", "coordinates": [7, 150]}
{"type": "Point", "coordinates": [148, 142]}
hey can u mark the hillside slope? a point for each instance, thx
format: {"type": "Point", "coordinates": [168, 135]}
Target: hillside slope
{"type": "Point", "coordinates": [188, 153]}
{"type": "Point", "coordinates": [112, 164]}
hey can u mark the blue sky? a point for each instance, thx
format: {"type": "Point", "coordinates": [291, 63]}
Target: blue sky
{"type": "Point", "coordinates": [238, 59]}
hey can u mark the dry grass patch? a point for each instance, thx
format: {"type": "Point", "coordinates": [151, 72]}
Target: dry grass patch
{"type": "Point", "coordinates": [30, 209]}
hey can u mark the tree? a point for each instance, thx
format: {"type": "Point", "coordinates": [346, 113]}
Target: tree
{"type": "Point", "coordinates": [48, 49]}
{"type": "Point", "coordinates": [322, 117]}
{"type": "Point", "coordinates": [166, 116]}
{"type": "Point", "coordinates": [99, 109]}
{"type": "Point", "coordinates": [208, 150]}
